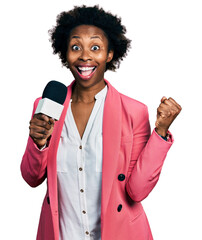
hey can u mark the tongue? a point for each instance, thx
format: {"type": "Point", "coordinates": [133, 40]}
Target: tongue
{"type": "Point", "coordinates": [86, 73]}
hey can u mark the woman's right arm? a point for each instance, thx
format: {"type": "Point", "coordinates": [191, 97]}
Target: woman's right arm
{"type": "Point", "coordinates": [34, 161]}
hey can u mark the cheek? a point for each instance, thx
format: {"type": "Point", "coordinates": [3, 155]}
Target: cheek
{"type": "Point", "coordinates": [71, 57]}
{"type": "Point", "coordinates": [101, 58]}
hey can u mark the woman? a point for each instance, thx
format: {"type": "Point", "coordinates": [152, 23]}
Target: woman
{"type": "Point", "coordinates": [99, 159]}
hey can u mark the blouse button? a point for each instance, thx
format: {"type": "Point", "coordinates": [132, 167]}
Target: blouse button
{"type": "Point", "coordinates": [87, 233]}
{"type": "Point", "coordinates": [80, 169]}
{"type": "Point", "coordinates": [81, 190]}
{"type": "Point", "coordinates": [84, 212]}
{"type": "Point", "coordinates": [80, 147]}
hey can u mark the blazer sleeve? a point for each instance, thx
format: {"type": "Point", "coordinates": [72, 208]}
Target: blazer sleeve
{"type": "Point", "coordinates": [34, 161]}
{"type": "Point", "coordinates": [147, 158]}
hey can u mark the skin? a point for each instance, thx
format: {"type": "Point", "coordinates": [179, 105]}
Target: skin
{"type": "Point", "coordinates": [40, 129]}
{"type": "Point", "coordinates": [92, 50]}
{"type": "Point", "coordinates": [166, 114]}
{"type": "Point", "coordinates": [87, 47]}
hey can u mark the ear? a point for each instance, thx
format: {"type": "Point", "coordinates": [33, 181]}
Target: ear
{"type": "Point", "coordinates": [110, 55]}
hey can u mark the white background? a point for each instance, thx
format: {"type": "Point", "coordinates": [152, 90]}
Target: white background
{"type": "Point", "coordinates": [165, 59]}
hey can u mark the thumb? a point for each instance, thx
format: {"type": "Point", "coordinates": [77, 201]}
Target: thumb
{"type": "Point", "coordinates": [163, 99]}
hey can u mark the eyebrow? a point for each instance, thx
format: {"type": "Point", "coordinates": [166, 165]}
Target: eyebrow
{"type": "Point", "coordinates": [90, 38]}
{"type": "Point", "coordinates": [96, 37]}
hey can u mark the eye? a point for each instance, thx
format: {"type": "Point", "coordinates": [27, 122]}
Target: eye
{"type": "Point", "coordinates": [76, 48]}
{"type": "Point", "coordinates": [95, 48]}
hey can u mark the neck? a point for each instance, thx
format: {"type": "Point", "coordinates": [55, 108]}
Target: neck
{"type": "Point", "coordinates": [86, 95]}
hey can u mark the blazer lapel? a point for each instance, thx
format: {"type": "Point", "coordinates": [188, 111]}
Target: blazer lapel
{"type": "Point", "coordinates": [111, 142]}
{"type": "Point", "coordinates": [52, 158]}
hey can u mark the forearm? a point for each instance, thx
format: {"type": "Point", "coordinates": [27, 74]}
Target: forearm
{"type": "Point", "coordinates": [34, 163]}
{"type": "Point", "coordinates": [147, 169]}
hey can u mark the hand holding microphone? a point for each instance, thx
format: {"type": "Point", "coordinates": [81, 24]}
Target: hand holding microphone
{"type": "Point", "coordinates": [48, 110]}
{"type": "Point", "coordinates": [41, 128]}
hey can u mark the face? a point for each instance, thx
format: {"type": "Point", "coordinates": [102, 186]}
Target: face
{"type": "Point", "coordinates": [87, 55]}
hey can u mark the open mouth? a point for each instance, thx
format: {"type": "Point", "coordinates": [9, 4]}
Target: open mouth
{"type": "Point", "coordinates": [86, 72]}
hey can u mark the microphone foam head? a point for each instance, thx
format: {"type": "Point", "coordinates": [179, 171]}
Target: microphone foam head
{"type": "Point", "coordinates": [56, 91]}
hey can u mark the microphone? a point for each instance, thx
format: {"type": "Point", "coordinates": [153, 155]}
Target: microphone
{"type": "Point", "coordinates": [52, 101]}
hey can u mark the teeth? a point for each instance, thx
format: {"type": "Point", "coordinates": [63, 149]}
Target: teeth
{"type": "Point", "coordinates": [85, 68]}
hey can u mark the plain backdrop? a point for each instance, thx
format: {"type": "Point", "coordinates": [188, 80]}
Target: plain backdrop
{"type": "Point", "coordinates": [165, 60]}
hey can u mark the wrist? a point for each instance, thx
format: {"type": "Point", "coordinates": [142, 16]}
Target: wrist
{"type": "Point", "coordinates": [161, 132]}
{"type": "Point", "coordinates": [42, 148]}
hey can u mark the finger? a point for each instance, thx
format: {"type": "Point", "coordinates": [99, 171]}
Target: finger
{"type": "Point", "coordinates": [38, 136]}
{"type": "Point", "coordinates": [41, 123]}
{"type": "Point", "coordinates": [170, 101]}
{"type": "Point", "coordinates": [163, 99]}
{"type": "Point", "coordinates": [43, 117]}
{"type": "Point", "coordinates": [169, 106]}
{"type": "Point", "coordinates": [168, 109]}
{"type": "Point", "coordinates": [167, 102]}
{"type": "Point", "coordinates": [47, 119]}
{"type": "Point", "coordinates": [175, 103]}
{"type": "Point", "coordinates": [162, 111]}
{"type": "Point", "coordinates": [51, 121]}
{"type": "Point", "coordinates": [39, 131]}
{"type": "Point", "coordinates": [172, 106]}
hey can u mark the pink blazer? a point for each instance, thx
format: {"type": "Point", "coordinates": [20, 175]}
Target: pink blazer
{"type": "Point", "coordinates": [132, 162]}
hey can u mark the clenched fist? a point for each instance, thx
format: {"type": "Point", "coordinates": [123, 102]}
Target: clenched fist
{"type": "Point", "coordinates": [166, 113]}
{"type": "Point", "coordinates": [41, 128]}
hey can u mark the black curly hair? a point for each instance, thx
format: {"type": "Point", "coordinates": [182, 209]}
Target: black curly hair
{"type": "Point", "coordinates": [110, 24]}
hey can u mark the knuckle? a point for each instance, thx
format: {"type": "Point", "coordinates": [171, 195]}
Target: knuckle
{"type": "Point", "coordinates": [48, 126]}
{"type": "Point", "coordinates": [173, 112]}
{"type": "Point", "coordinates": [166, 101]}
{"type": "Point", "coordinates": [32, 135]}
{"type": "Point", "coordinates": [43, 132]}
{"type": "Point", "coordinates": [169, 113]}
{"type": "Point", "coordinates": [31, 129]}
{"type": "Point", "coordinates": [45, 118]}
{"type": "Point", "coordinates": [31, 121]}
{"type": "Point", "coordinates": [36, 116]}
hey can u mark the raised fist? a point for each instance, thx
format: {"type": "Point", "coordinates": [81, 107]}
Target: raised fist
{"type": "Point", "coordinates": [166, 113]}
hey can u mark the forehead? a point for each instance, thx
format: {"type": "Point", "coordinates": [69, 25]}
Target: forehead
{"type": "Point", "coordinates": [88, 31]}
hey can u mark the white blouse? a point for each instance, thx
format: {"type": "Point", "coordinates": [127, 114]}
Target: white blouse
{"type": "Point", "coordinates": [79, 173]}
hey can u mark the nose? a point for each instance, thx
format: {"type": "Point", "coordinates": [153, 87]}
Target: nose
{"type": "Point", "coordinates": [85, 55]}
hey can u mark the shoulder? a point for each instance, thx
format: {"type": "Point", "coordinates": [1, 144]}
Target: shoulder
{"type": "Point", "coordinates": [132, 103]}
{"type": "Point", "coordinates": [130, 106]}
{"type": "Point", "coordinates": [126, 100]}
{"type": "Point", "coordinates": [134, 109]}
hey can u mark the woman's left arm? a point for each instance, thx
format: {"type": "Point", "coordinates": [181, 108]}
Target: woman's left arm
{"type": "Point", "coordinates": [148, 153]}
